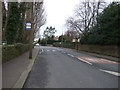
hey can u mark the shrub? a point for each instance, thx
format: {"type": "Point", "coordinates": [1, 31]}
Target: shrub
{"type": "Point", "coordinates": [11, 51]}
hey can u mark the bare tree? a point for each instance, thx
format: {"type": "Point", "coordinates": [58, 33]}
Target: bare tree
{"type": "Point", "coordinates": [71, 34]}
{"type": "Point", "coordinates": [6, 12]}
{"type": "Point", "coordinates": [39, 16]}
{"type": "Point", "coordinates": [85, 16]}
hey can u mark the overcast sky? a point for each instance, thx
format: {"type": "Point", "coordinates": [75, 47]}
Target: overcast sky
{"type": "Point", "coordinates": [57, 13]}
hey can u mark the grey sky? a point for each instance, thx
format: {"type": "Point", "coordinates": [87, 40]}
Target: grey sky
{"type": "Point", "coordinates": [57, 12]}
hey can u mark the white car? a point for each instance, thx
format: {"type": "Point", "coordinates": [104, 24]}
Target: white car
{"type": "Point", "coordinates": [37, 44]}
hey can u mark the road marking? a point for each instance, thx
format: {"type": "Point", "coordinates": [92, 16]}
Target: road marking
{"type": "Point", "coordinates": [110, 72]}
{"type": "Point", "coordinates": [41, 51]}
{"type": "Point", "coordinates": [48, 50]}
{"type": "Point", "coordinates": [70, 55]}
{"type": "Point", "coordinates": [85, 61]}
{"type": "Point", "coordinates": [108, 61]}
{"type": "Point", "coordinates": [97, 60]}
{"type": "Point", "coordinates": [53, 50]}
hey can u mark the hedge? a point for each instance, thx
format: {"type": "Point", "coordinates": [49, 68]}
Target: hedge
{"type": "Point", "coordinates": [110, 50]}
{"type": "Point", "coordinates": [12, 51]}
{"type": "Point", "coordinates": [65, 45]}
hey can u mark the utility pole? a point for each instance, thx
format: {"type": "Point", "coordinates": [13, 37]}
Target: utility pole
{"type": "Point", "coordinates": [0, 22]}
{"type": "Point", "coordinates": [31, 31]}
{"type": "Point", "coordinates": [62, 38]}
{"type": "Point", "coordinates": [0, 45]}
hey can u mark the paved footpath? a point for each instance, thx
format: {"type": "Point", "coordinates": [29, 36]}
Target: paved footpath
{"type": "Point", "coordinates": [13, 70]}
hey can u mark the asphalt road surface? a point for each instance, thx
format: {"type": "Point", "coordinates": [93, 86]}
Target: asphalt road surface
{"type": "Point", "coordinates": [65, 68]}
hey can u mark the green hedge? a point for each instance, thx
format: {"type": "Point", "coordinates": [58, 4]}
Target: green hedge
{"type": "Point", "coordinates": [11, 51]}
{"type": "Point", "coordinates": [65, 45]}
{"type": "Point", "coordinates": [110, 50]}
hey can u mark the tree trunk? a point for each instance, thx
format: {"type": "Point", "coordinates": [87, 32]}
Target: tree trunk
{"type": "Point", "coordinates": [6, 22]}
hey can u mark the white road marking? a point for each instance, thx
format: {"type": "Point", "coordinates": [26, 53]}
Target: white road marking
{"type": "Point", "coordinates": [111, 72]}
{"type": "Point", "coordinates": [41, 51]}
{"type": "Point", "coordinates": [48, 50]}
{"type": "Point", "coordinates": [70, 55]}
{"type": "Point", "coordinates": [53, 50]}
{"type": "Point", "coordinates": [108, 61]}
{"type": "Point", "coordinates": [85, 61]}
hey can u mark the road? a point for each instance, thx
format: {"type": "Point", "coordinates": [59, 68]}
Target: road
{"type": "Point", "coordinates": [65, 68]}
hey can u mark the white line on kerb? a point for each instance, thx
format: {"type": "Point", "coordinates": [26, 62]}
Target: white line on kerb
{"type": "Point", "coordinates": [85, 61]}
{"type": "Point", "coordinates": [110, 72]}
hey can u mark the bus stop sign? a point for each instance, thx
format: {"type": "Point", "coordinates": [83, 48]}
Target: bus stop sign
{"type": "Point", "coordinates": [28, 25]}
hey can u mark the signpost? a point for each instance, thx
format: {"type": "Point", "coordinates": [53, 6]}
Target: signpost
{"type": "Point", "coordinates": [29, 26]}
{"type": "Point", "coordinates": [0, 23]}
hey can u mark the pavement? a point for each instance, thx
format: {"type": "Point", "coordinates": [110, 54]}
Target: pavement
{"type": "Point", "coordinates": [65, 68]}
{"type": "Point", "coordinates": [15, 72]}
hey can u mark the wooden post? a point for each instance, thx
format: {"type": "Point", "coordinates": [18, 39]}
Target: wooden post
{"type": "Point", "coordinates": [0, 45]}
{"type": "Point", "coordinates": [0, 23]}
{"type": "Point", "coordinates": [31, 32]}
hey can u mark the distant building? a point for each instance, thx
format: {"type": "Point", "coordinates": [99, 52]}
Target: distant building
{"type": "Point", "coordinates": [56, 38]}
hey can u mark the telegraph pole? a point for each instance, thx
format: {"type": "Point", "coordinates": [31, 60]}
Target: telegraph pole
{"type": "Point", "coordinates": [31, 32]}
{"type": "Point", "coordinates": [62, 38]}
{"type": "Point", "coordinates": [0, 22]}
{"type": "Point", "coordinates": [0, 45]}
{"type": "Point", "coordinates": [30, 27]}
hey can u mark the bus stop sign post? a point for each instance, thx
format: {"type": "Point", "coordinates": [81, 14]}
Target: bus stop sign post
{"type": "Point", "coordinates": [28, 25]}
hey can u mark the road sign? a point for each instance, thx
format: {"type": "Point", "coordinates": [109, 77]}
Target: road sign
{"type": "Point", "coordinates": [28, 25]}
